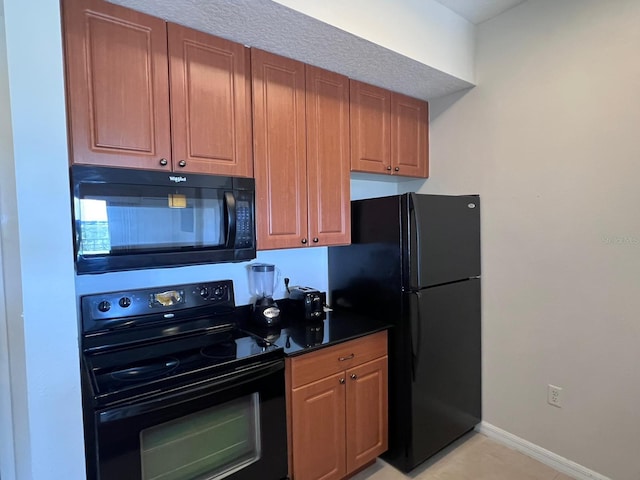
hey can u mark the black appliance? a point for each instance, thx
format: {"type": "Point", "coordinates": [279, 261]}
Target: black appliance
{"type": "Point", "coordinates": [415, 261]}
{"type": "Point", "coordinates": [174, 390]}
{"type": "Point", "coordinates": [128, 219]}
{"type": "Point", "coordinates": [308, 302]}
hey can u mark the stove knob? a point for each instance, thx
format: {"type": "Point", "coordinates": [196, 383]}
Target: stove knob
{"type": "Point", "coordinates": [104, 306]}
{"type": "Point", "coordinates": [125, 302]}
{"type": "Point", "coordinates": [218, 291]}
{"type": "Point", "coordinates": [204, 292]}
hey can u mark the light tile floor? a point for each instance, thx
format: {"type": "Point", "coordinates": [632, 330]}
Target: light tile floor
{"type": "Point", "coordinates": [474, 457]}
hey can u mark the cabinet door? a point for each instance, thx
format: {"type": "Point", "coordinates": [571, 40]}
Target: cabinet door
{"type": "Point", "coordinates": [328, 161]}
{"type": "Point", "coordinates": [370, 128]}
{"type": "Point", "coordinates": [366, 412]}
{"type": "Point", "coordinates": [210, 103]}
{"type": "Point", "coordinates": [117, 85]}
{"type": "Point", "coordinates": [318, 430]}
{"type": "Point", "coordinates": [409, 136]}
{"type": "Point", "coordinates": [280, 161]}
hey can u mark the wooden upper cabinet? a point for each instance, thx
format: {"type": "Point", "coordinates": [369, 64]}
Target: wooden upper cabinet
{"type": "Point", "coordinates": [409, 136]}
{"type": "Point", "coordinates": [280, 162]}
{"type": "Point", "coordinates": [389, 132]}
{"type": "Point", "coordinates": [124, 67]}
{"type": "Point", "coordinates": [328, 161]}
{"type": "Point", "coordinates": [370, 128]}
{"type": "Point", "coordinates": [366, 412]}
{"type": "Point", "coordinates": [210, 103]}
{"type": "Point", "coordinates": [117, 85]}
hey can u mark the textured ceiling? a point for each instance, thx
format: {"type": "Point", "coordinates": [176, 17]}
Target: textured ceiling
{"type": "Point", "coordinates": [273, 27]}
{"type": "Point", "coordinates": [478, 11]}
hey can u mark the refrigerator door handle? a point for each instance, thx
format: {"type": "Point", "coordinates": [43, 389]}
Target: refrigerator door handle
{"type": "Point", "coordinates": [414, 243]}
{"type": "Point", "coordinates": [416, 334]}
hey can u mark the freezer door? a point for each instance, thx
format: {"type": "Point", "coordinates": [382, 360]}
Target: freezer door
{"type": "Point", "coordinates": [446, 365]}
{"type": "Point", "coordinates": [444, 239]}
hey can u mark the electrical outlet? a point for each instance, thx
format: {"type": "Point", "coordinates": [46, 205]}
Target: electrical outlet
{"type": "Point", "coordinates": [554, 396]}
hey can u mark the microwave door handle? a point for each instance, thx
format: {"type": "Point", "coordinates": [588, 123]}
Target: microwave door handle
{"type": "Point", "coordinates": [230, 203]}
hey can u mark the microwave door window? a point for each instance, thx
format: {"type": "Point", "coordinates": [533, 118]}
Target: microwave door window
{"type": "Point", "coordinates": [116, 220]}
{"type": "Point", "coordinates": [95, 239]}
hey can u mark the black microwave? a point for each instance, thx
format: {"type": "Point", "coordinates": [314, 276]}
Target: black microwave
{"type": "Point", "coordinates": [127, 219]}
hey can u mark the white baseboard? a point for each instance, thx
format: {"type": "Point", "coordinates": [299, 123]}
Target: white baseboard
{"type": "Point", "coordinates": [532, 450]}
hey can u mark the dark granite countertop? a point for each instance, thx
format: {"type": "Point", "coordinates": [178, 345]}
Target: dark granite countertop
{"type": "Point", "coordinates": [297, 335]}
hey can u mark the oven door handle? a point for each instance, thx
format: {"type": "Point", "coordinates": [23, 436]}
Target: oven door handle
{"type": "Point", "coordinates": [192, 391]}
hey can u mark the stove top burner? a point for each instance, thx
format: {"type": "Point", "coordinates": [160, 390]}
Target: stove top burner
{"type": "Point", "coordinates": [223, 351]}
{"type": "Point", "coordinates": [148, 371]}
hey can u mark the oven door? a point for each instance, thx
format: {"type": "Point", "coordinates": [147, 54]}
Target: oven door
{"type": "Point", "coordinates": [231, 427]}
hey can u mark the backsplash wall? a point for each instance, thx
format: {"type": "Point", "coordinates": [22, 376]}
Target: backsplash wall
{"type": "Point", "coordinates": [303, 266]}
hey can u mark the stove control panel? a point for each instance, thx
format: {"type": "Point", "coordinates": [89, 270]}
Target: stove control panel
{"type": "Point", "coordinates": [125, 308]}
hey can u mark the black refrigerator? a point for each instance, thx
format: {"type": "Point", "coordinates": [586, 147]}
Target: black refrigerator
{"type": "Point", "coordinates": [414, 260]}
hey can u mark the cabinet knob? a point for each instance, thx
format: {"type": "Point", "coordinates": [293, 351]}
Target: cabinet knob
{"type": "Point", "coordinates": [342, 380]}
{"type": "Point", "coordinates": [397, 169]}
{"type": "Point", "coordinates": [388, 167]}
{"type": "Point", "coordinates": [315, 239]}
{"type": "Point", "coordinates": [182, 163]}
{"type": "Point", "coordinates": [163, 162]}
{"type": "Point", "coordinates": [353, 376]}
{"type": "Point", "coordinates": [304, 241]}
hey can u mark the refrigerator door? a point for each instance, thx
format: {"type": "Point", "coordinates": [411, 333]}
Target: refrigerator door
{"type": "Point", "coordinates": [443, 239]}
{"type": "Point", "coordinates": [446, 366]}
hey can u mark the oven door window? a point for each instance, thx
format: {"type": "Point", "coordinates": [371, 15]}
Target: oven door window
{"type": "Point", "coordinates": [119, 219]}
{"type": "Point", "coordinates": [211, 444]}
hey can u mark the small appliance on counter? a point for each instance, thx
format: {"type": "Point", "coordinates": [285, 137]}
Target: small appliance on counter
{"type": "Point", "coordinates": [307, 301]}
{"type": "Point", "coordinates": [265, 309]}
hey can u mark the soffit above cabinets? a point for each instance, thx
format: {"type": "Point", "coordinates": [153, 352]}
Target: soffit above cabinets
{"type": "Point", "coordinates": [478, 11]}
{"type": "Point", "coordinates": [269, 26]}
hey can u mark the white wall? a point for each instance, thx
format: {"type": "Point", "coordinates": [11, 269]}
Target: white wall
{"type": "Point", "coordinates": [37, 263]}
{"type": "Point", "coordinates": [7, 202]}
{"type": "Point", "coordinates": [549, 138]}
{"type": "Point", "coordinates": [423, 30]}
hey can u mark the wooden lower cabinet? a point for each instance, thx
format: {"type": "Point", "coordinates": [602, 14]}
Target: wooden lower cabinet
{"type": "Point", "coordinates": [366, 412]}
{"type": "Point", "coordinates": [318, 412]}
{"type": "Point", "coordinates": [337, 419]}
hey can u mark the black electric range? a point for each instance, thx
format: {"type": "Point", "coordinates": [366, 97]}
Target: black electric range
{"type": "Point", "coordinates": [140, 342]}
{"type": "Point", "coordinates": [170, 383]}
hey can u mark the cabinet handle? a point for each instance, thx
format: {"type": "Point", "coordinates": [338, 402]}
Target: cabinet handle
{"type": "Point", "coordinates": [388, 167]}
{"type": "Point", "coordinates": [304, 241]}
{"type": "Point", "coordinates": [182, 163]}
{"type": "Point", "coordinates": [342, 380]}
{"type": "Point", "coordinates": [163, 162]}
{"type": "Point", "coordinates": [315, 239]}
{"type": "Point", "coordinates": [349, 357]}
{"type": "Point", "coordinates": [397, 169]}
{"type": "Point", "coordinates": [353, 376]}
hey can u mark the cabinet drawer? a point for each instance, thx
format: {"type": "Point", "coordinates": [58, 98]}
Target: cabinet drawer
{"type": "Point", "coordinates": [314, 366]}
